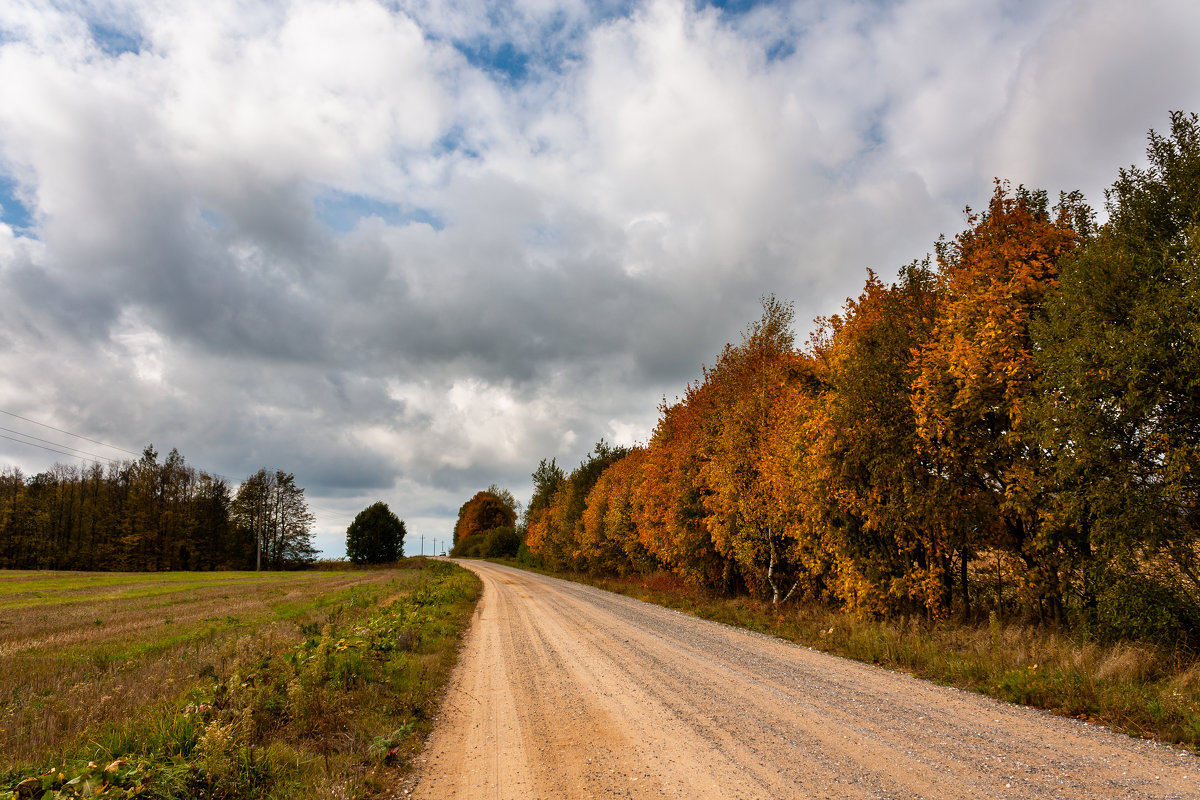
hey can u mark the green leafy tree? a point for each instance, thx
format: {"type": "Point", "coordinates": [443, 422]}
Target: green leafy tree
{"type": "Point", "coordinates": [142, 514]}
{"type": "Point", "coordinates": [376, 536]}
{"type": "Point", "coordinates": [500, 543]}
{"type": "Point", "coordinates": [1121, 352]}
{"type": "Point", "coordinates": [270, 509]}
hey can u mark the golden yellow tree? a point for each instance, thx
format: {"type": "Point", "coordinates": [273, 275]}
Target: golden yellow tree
{"type": "Point", "coordinates": [666, 506]}
{"type": "Point", "coordinates": [609, 544]}
{"type": "Point", "coordinates": [977, 376]}
{"type": "Point", "coordinates": [866, 479]}
{"type": "Point", "coordinates": [746, 522]}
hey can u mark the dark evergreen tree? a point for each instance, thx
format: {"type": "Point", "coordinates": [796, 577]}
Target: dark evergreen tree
{"type": "Point", "coordinates": [376, 536]}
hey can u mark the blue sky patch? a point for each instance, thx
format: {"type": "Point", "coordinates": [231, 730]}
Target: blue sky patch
{"type": "Point", "coordinates": [780, 50]}
{"type": "Point", "coordinates": [455, 141]}
{"type": "Point", "coordinates": [13, 212]}
{"type": "Point", "coordinates": [737, 6]}
{"type": "Point", "coordinates": [501, 59]}
{"type": "Point", "coordinates": [342, 211]}
{"type": "Point", "coordinates": [212, 219]}
{"type": "Point", "coordinates": [114, 42]}
{"type": "Point", "coordinates": [875, 135]}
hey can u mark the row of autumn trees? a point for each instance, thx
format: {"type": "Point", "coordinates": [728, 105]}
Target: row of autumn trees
{"type": "Point", "coordinates": [151, 515]}
{"type": "Point", "coordinates": [1012, 428]}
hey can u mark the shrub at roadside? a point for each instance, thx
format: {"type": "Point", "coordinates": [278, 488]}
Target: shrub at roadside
{"type": "Point", "coordinates": [497, 543]}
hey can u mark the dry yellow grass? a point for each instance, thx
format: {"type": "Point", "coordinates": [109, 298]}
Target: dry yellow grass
{"type": "Point", "coordinates": [1129, 662]}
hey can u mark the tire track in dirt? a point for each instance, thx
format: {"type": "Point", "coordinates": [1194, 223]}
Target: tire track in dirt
{"type": "Point", "coordinates": [563, 690]}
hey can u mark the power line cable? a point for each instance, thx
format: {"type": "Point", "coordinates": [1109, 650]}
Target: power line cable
{"type": "Point", "coordinates": [69, 433]}
{"type": "Point", "coordinates": [56, 444]}
{"type": "Point", "coordinates": [51, 449]}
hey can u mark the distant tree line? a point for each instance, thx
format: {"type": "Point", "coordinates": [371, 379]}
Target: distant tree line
{"type": "Point", "coordinates": [1013, 429]}
{"type": "Point", "coordinates": [151, 515]}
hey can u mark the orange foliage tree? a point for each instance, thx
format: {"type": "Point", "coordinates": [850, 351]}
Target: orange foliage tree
{"type": "Point", "coordinates": [745, 520]}
{"type": "Point", "coordinates": [867, 479]}
{"type": "Point", "coordinates": [784, 468]}
{"type": "Point", "coordinates": [916, 434]}
{"type": "Point", "coordinates": [977, 377]}
{"type": "Point", "coordinates": [555, 520]}
{"type": "Point", "coordinates": [547, 480]}
{"type": "Point", "coordinates": [666, 505]}
{"type": "Point", "coordinates": [609, 543]}
{"type": "Point", "coordinates": [486, 511]}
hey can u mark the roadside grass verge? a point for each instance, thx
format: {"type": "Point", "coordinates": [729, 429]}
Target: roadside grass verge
{"type": "Point", "coordinates": [1137, 688]}
{"type": "Point", "coordinates": [326, 695]}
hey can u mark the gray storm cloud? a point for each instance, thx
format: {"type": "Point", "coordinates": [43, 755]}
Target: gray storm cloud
{"type": "Point", "coordinates": [408, 250]}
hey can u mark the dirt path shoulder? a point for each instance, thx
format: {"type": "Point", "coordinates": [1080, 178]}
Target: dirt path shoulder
{"type": "Point", "coordinates": [565, 691]}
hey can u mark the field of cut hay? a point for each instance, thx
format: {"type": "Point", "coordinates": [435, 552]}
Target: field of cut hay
{"type": "Point", "coordinates": [144, 665]}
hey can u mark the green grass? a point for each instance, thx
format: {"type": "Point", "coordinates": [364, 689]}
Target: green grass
{"type": "Point", "coordinates": [25, 589]}
{"type": "Point", "coordinates": [330, 693]}
{"type": "Point", "coordinates": [1137, 688]}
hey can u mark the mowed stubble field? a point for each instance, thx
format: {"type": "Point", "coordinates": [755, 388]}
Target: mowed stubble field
{"type": "Point", "coordinates": [82, 654]}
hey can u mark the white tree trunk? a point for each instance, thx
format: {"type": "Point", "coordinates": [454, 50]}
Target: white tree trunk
{"type": "Point", "coordinates": [771, 576]}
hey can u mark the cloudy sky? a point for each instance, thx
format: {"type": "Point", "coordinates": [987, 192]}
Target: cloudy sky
{"type": "Point", "coordinates": [407, 249]}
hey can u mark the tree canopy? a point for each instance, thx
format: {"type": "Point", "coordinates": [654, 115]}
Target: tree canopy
{"type": "Point", "coordinates": [485, 511]}
{"type": "Point", "coordinates": [271, 507]}
{"type": "Point", "coordinates": [376, 536]}
{"type": "Point", "coordinates": [1120, 347]}
{"type": "Point", "coordinates": [151, 514]}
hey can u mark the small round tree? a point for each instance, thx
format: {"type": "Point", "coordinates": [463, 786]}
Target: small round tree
{"type": "Point", "coordinates": [483, 512]}
{"type": "Point", "coordinates": [376, 536]}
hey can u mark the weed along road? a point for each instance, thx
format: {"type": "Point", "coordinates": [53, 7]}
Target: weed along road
{"type": "Point", "coordinates": [564, 691]}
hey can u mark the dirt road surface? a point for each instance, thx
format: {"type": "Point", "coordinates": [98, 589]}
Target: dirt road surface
{"type": "Point", "coordinates": [564, 691]}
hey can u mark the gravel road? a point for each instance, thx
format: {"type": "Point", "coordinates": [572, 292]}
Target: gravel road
{"type": "Point", "coordinates": [565, 691]}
